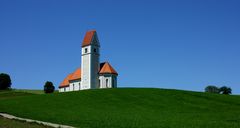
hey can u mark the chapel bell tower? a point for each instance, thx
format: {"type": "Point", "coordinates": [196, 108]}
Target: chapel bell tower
{"type": "Point", "coordinates": [90, 61]}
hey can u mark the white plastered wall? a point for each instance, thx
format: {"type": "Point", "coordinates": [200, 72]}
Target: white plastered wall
{"type": "Point", "coordinates": [61, 90]}
{"type": "Point", "coordinates": [75, 85]}
{"type": "Point", "coordinates": [89, 67]}
{"type": "Point", "coordinates": [85, 68]}
{"type": "Point", "coordinates": [108, 81]}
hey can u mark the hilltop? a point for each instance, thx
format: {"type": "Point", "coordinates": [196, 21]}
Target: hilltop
{"type": "Point", "coordinates": [126, 108]}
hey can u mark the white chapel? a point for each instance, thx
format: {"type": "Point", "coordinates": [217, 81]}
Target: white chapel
{"type": "Point", "coordinates": [91, 74]}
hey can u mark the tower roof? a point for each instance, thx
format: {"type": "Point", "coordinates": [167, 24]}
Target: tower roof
{"type": "Point", "coordinates": [106, 68]}
{"type": "Point", "coordinates": [88, 38]}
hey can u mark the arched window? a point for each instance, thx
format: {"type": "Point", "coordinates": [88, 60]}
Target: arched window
{"type": "Point", "coordinates": [85, 50]}
{"type": "Point", "coordinates": [99, 83]}
{"type": "Point", "coordinates": [112, 82]}
{"type": "Point", "coordinates": [106, 83]}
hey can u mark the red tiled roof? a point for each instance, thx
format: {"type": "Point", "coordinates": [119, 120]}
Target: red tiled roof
{"type": "Point", "coordinates": [88, 38]}
{"type": "Point", "coordinates": [72, 76]}
{"type": "Point", "coordinates": [65, 82]}
{"type": "Point", "coordinates": [107, 69]}
{"type": "Point", "coordinates": [76, 74]}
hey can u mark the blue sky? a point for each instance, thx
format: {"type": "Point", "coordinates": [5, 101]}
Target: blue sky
{"type": "Point", "coordinates": [165, 44]}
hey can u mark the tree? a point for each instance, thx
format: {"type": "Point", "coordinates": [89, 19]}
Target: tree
{"type": "Point", "coordinates": [5, 81]}
{"type": "Point", "coordinates": [225, 90]}
{"type": "Point", "coordinates": [212, 89]}
{"type": "Point", "coordinates": [48, 87]}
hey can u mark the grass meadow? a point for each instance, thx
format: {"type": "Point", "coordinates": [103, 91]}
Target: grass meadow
{"type": "Point", "coordinates": [126, 108]}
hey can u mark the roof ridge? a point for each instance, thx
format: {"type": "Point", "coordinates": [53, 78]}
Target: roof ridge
{"type": "Point", "coordinates": [107, 68]}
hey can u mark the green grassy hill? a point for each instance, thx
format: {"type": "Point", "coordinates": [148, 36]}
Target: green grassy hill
{"type": "Point", "coordinates": [127, 108]}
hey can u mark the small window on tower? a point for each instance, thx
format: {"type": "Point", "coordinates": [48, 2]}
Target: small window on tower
{"type": "Point", "coordinates": [85, 50]}
{"type": "Point", "coordinates": [95, 50]}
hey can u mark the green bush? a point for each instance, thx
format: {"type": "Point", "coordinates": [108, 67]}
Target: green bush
{"type": "Point", "coordinates": [48, 87]}
{"type": "Point", "coordinates": [5, 81]}
{"type": "Point", "coordinates": [225, 90]}
{"type": "Point", "coordinates": [212, 89]}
